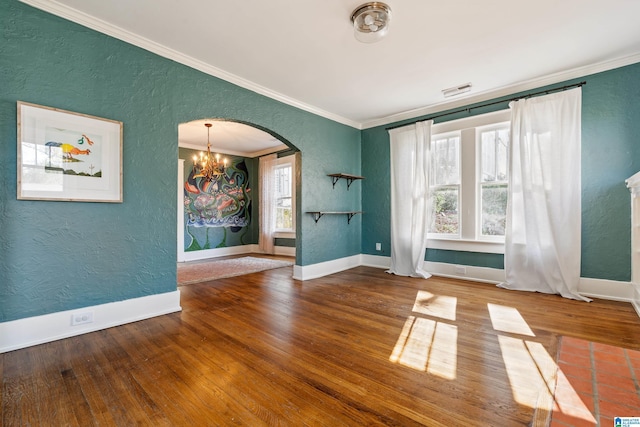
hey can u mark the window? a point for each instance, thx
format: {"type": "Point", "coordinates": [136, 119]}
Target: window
{"type": "Point", "coordinates": [285, 195]}
{"type": "Point", "coordinates": [445, 184]}
{"type": "Point", "coordinates": [469, 181]}
{"type": "Point", "coordinates": [494, 142]}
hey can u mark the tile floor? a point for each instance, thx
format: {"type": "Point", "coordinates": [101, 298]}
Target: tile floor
{"type": "Point", "coordinates": [595, 384]}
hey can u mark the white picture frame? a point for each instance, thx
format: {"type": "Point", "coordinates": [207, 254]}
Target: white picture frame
{"type": "Point", "coordinates": [68, 156]}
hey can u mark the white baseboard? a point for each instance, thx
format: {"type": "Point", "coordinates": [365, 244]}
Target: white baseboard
{"type": "Point", "coordinates": [593, 288]}
{"type": "Point", "coordinates": [321, 269]}
{"type": "Point", "coordinates": [218, 252]}
{"type": "Point", "coordinates": [285, 250]}
{"type": "Point", "coordinates": [375, 261]}
{"type": "Point", "coordinates": [635, 301]}
{"type": "Point", "coordinates": [35, 330]}
{"type": "Point", "coordinates": [476, 274]}
{"type": "Point", "coordinates": [606, 289]}
{"type": "Point", "coordinates": [234, 250]}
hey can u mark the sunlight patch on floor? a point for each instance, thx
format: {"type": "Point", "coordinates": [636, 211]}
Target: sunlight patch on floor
{"type": "Point", "coordinates": [569, 402]}
{"type": "Point", "coordinates": [429, 345]}
{"type": "Point", "coordinates": [508, 319]}
{"type": "Point", "coordinates": [536, 380]}
{"type": "Point", "coordinates": [528, 377]}
{"type": "Point", "coordinates": [412, 348]}
{"type": "Point", "coordinates": [441, 306]}
{"type": "Point", "coordinates": [443, 356]}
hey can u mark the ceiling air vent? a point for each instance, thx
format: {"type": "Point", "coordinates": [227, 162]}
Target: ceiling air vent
{"type": "Point", "coordinates": [457, 90]}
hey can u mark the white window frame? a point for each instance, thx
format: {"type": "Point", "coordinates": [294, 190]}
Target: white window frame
{"type": "Point", "coordinates": [479, 183]}
{"type": "Point", "coordinates": [449, 135]}
{"type": "Point", "coordinates": [288, 233]}
{"type": "Point", "coordinates": [469, 239]}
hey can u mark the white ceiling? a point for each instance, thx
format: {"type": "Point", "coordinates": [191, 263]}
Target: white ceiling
{"type": "Point", "coordinates": [229, 138]}
{"type": "Point", "coordinates": [303, 52]}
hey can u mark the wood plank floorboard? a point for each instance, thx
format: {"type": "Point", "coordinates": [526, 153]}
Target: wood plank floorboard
{"type": "Point", "coordinates": [360, 347]}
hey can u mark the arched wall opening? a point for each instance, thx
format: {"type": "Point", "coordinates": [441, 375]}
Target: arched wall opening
{"type": "Point", "coordinates": [220, 217]}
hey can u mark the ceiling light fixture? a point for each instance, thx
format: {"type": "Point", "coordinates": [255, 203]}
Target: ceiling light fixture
{"type": "Point", "coordinates": [457, 90]}
{"type": "Point", "coordinates": [208, 166]}
{"type": "Point", "coordinates": [371, 21]}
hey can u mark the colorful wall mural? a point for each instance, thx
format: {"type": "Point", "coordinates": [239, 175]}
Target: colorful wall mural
{"type": "Point", "coordinates": [218, 213]}
{"type": "Point", "coordinates": [218, 203]}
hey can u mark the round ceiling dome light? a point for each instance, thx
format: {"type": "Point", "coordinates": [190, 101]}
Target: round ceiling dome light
{"type": "Point", "coordinates": [371, 21]}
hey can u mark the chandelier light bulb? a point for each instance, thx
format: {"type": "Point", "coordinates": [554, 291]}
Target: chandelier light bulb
{"type": "Point", "coordinates": [210, 168]}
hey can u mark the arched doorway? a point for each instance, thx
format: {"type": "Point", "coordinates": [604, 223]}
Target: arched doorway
{"type": "Point", "coordinates": [220, 217]}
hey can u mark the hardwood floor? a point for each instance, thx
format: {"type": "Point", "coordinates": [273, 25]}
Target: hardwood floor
{"type": "Point", "coordinates": [355, 348]}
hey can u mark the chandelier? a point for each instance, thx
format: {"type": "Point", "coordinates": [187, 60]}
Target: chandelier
{"type": "Point", "coordinates": [371, 21]}
{"type": "Point", "coordinates": [208, 166]}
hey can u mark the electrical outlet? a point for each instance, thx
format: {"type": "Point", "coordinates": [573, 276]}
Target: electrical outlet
{"type": "Point", "coordinates": [460, 269]}
{"type": "Point", "coordinates": [81, 318]}
{"type": "Point", "coordinates": [378, 246]}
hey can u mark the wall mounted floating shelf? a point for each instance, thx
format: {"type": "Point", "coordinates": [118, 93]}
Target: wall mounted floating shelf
{"type": "Point", "coordinates": [335, 177]}
{"type": "Point", "coordinates": [318, 214]}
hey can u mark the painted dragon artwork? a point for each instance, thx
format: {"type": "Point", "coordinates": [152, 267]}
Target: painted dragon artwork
{"type": "Point", "coordinates": [223, 202]}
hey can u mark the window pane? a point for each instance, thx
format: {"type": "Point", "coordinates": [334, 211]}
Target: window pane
{"type": "Point", "coordinates": [283, 181]}
{"type": "Point", "coordinates": [494, 155]}
{"type": "Point", "coordinates": [445, 206]}
{"type": "Point", "coordinates": [284, 211]}
{"type": "Point", "coordinates": [494, 209]}
{"type": "Point", "coordinates": [284, 219]}
{"type": "Point", "coordinates": [445, 161]}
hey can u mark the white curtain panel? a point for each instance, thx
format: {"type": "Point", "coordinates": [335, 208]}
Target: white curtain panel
{"type": "Point", "coordinates": [410, 201]}
{"type": "Point", "coordinates": [542, 238]}
{"type": "Point", "coordinates": [266, 170]}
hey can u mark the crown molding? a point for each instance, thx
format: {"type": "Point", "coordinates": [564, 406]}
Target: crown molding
{"type": "Point", "coordinates": [104, 27]}
{"type": "Point", "coordinates": [81, 18]}
{"type": "Point", "coordinates": [505, 91]}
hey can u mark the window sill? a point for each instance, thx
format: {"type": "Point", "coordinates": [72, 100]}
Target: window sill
{"type": "Point", "coordinates": [284, 234]}
{"type": "Point", "coordinates": [466, 245]}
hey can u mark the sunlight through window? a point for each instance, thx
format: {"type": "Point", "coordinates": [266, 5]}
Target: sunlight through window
{"type": "Point", "coordinates": [441, 306]}
{"type": "Point", "coordinates": [568, 401]}
{"type": "Point", "coordinates": [525, 376]}
{"type": "Point", "coordinates": [443, 357]}
{"type": "Point", "coordinates": [427, 345]}
{"type": "Point", "coordinates": [412, 348]}
{"type": "Point", "coordinates": [508, 319]}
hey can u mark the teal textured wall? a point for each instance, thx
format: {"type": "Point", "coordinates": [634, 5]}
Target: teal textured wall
{"type": "Point", "coordinates": [610, 154]}
{"type": "Point", "coordinates": [476, 259]}
{"type": "Point", "coordinates": [60, 255]}
{"type": "Point", "coordinates": [284, 242]}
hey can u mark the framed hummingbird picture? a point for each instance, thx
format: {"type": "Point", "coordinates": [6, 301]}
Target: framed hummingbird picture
{"type": "Point", "coordinates": [67, 156]}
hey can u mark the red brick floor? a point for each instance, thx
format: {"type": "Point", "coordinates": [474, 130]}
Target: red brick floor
{"type": "Point", "coordinates": [596, 383]}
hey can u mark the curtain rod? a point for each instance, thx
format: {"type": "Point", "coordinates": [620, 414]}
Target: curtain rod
{"type": "Point", "coordinates": [283, 151]}
{"type": "Point", "coordinates": [468, 109]}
